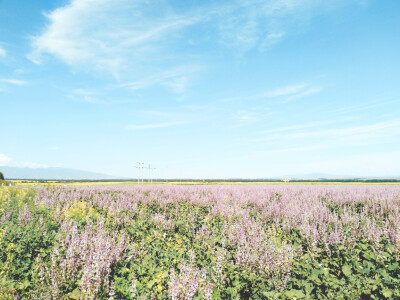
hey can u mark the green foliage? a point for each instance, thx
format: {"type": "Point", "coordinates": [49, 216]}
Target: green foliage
{"type": "Point", "coordinates": [358, 274]}
{"type": "Point", "coordinates": [27, 229]}
{"type": "Point", "coordinates": [1, 176]}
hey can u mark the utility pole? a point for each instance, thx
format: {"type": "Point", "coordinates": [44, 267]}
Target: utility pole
{"type": "Point", "coordinates": [151, 168]}
{"type": "Point", "coordinates": [150, 173]}
{"type": "Point", "coordinates": [138, 167]}
{"type": "Point", "coordinates": [141, 172]}
{"type": "Point", "coordinates": [142, 167]}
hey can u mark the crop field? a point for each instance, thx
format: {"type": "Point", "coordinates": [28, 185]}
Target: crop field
{"type": "Point", "coordinates": [200, 242]}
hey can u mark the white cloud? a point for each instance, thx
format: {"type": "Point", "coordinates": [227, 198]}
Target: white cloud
{"type": "Point", "coordinates": [32, 165]}
{"type": "Point", "coordinates": [3, 52]}
{"type": "Point", "coordinates": [285, 91]}
{"type": "Point", "coordinates": [175, 79]}
{"type": "Point", "coordinates": [277, 35]}
{"type": "Point", "coordinates": [106, 34]}
{"type": "Point", "coordinates": [365, 106]}
{"type": "Point", "coordinates": [288, 150]}
{"type": "Point", "coordinates": [178, 85]}
{"type": "Point", "coordinates": [250, 24]}
{"type": "Point", "coordinates": [4, 160]}
{"type": "Point", "coordinates": [154, 125]}
{"type": "Point", "coordinates": [370, 134]}
{"type": "Point", "coordinates": [297, 127]}
{"type": "Point", "coordinates": [307, 92]}
{"type": "Point", "coordinates": [13, 81]}
{"type": "Point", "coordinates": [247, 116]}
{"type": "Point", "coordinates": [291, 92]}
{"type": "Point", "coordinates": [8, 161]}
{"type": "Point", "coordinates": [283, 94]}
{"type": "Point", "coordinates": [158, 113]}
{"type": "Point", "coordinates": [86, 96]}
{"type": "Point", "coordinates": [116, 35]}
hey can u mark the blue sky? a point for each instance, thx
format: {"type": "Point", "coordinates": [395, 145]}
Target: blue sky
{"type": "Point", "coordinates": [202, 89]}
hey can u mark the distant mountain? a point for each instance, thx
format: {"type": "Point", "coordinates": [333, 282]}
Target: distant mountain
{"type": "Point", "coordinates": [51, 173]}
{"type": "Point", "coordinates": [318, 176]}
{"type": "Point", "coordinates": [315, 176]}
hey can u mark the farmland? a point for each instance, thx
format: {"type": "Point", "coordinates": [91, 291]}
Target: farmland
{"type": "Point", "coordinates": [200, 241]}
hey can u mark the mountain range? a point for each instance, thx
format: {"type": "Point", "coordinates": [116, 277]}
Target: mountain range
{"type": "Point", "coordinates": [51, 173]}
{"type": "Point", "coordinates": [55, 173]}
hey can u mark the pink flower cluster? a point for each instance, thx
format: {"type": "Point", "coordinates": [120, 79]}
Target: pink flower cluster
{"type": "Point", "coordinates": [189, 281]}
{"type": "Point", "coordinates": [85, 255]}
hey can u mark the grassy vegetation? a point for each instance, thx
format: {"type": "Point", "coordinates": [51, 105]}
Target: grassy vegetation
{"type": "Point", "coordinates": [200, 242]}
{"type": "Point", "coordinates": [198, 182]}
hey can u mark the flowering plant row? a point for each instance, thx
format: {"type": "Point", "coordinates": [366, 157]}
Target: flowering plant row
{"type": "Point", "coordinates": [200, 242]}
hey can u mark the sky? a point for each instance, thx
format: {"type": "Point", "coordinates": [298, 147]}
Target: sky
{"type": "Point", "coordinates": [201, 89]}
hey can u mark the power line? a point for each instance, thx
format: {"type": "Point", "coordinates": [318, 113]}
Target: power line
{"type": "Point", "coordinates": [141, 172]}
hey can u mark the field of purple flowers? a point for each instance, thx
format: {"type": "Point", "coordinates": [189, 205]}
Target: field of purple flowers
{"type": "Point", "coordinates": [200, 242]}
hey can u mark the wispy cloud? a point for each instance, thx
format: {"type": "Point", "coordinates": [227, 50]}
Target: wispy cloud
{"type": "Point", "coordinates": [285, 91]}
{"type": "Point", "coordinates": [282, 94]}
{"type": "Point", "coordinates": [175, 79]}
{"type": "Point", "coordinates": [108, 94]}
{"type": "Point", "coordinates": [230, 99]}
{"type": "Point", "coordinates": [109, 35]}
{"type": "Point", "coordinates": [3, 52]}
{"type": "Point", "coordinates": [13, 81]}
{"type": "Point", "coordinates": [8, 161]}
{"type": "Point", "coordinates": [307, 92]}
{"type": "Point", "coordinates": [288, 150]}
{"type": "Point", "coordinates": [85, 96]}
{"type": "Point", "coordinates": [350, 135]}
{"type": "Point", "coordinates": [119, 34]}
{"type": "Point", "coordinates": [32, 165]}
{"type": "Point", "coordinates": [158, 113]}
{"type": "Point", "coordinates": [365, 106]}
{"type": "Point", "coordinates": [254, 24]}
{"type": "Point", "coordinates": [4, 160]}
{"type": "Point", "coordinates": [247, 116]}
{"type": "Point", "coordinates": [292, 92]}
{"type": "Point", "coordinates": [309, 125]}
{"type": "Point", "coordinates": [153, 125]}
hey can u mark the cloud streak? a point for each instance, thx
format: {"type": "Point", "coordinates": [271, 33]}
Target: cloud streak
{"type": "Point", "coordinates": [174, 79]}
{"type": "Point", "coordinates": [3, 52]}
{"type": "Point", "coordinates": [119, 34]}
{"type": "Point", "coordinates": [291, 92]}
{"type": "Point", "coordinates": [4, 160]}
{"type": "Point", "coordinates": [309, 125]}
{"type": "Point", "coordinates": [13, 81]}
{"type": "Point", "coordinates": [153, 126]}
{"type": "Point", "coordinates": [8, 161]}
{"type": "Point", "coordinates": [381, 132]}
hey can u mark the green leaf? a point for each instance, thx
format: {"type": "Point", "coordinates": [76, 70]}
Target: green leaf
{"type": "Point", "coordinates": [346, 269]}
{"type": "Point", "coordinates": [295, 294]}
{"type": "Point", "coordinates": [76, 294]}
{"type": "Point", "coordinates": [387, 293]}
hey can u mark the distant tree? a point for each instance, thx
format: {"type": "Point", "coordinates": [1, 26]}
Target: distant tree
{"type": "Point", "coordinates": [1, 176]}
